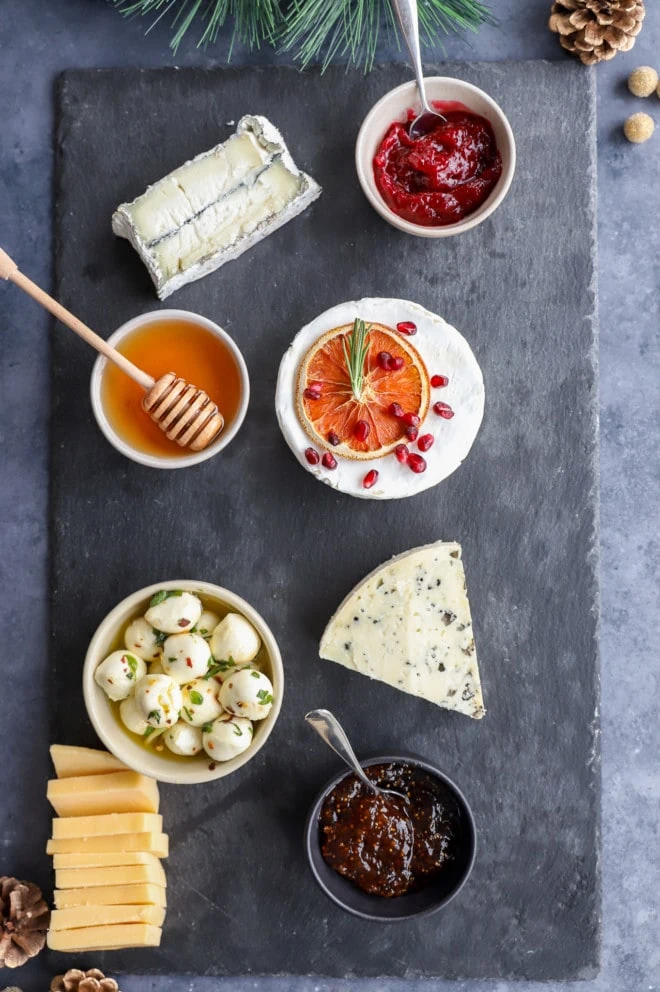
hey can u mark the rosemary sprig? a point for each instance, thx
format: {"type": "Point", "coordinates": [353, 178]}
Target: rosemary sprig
{"type": "Point", "coordinates": [355, 353]}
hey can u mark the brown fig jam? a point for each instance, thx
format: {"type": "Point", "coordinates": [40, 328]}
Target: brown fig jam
{"type": "Point", "coordinates": [385, 845]}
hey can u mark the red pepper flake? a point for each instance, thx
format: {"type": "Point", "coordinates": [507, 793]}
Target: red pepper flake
{"type": "Point", "coordinates": [189, 662]}
{"type": "Point", "coordinates": [212, 766]}
{"type": "Point", "coordinates": [211, 745]}
{"type": "Point", "coordinates": [183, 622]}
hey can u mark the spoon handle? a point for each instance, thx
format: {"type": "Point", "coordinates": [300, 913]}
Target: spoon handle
{"type": "Point", "coordinates": [406, 13]}
{"type": "Point", "coordinates": [330, 729]}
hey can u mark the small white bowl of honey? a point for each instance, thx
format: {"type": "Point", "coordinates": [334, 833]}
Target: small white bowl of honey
{"type": "Point", "coordinates": [164, 341]}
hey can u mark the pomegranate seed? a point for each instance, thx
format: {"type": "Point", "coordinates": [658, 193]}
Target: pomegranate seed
{"type": "Point", "coordinates": [370, 479]}
{"type": "Point", "coordinates": [437, 381]}
{"type": "Point", "coordinates": [411, 419]}
{"type": "Point", "coordinates": [401, 452]}
{"type": "Point", "coordinates": [443, 410]}
{"type": "Point", "coordinates": [316, 386]}
{"type": "Point", "coordinates": [412, 433]}
{"type": "Point", "coordinates": [312, 394]}
{"type": "Point", "coordinates": [384, 360]}
{"type": "Point", "coordinates": [362, 430]}
{"type": "Point", "coordinates": [396, 410]}
{"type": "Point", "coordinates": [407, 327]}
{"type": "Point", "coordinates": [312, 456]}
{"type": "Point", "coordinates": [397, 364]}
{"type": "Point", "coordinates": [334, 439]}
{"type": "Point", "coordinates": [329, 461]}
{"type": "Point", "coordinates": [425, 442]}
{"type": "Point", "coordinates": [416, 463]}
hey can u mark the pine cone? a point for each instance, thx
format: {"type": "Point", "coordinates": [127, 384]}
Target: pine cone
{"type": "Point", "coordinates": [597, 29]}
{"type": "Point", "coordinates": [83, 981]}
{"type": "Point", "coordinates": [24, 919]}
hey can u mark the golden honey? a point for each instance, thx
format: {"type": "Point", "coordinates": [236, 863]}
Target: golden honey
{"type": "Point", "coordinates": [161, 346]}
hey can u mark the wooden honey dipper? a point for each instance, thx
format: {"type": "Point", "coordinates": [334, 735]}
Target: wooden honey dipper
{"type": "Point", "coordinates": [186, 414]}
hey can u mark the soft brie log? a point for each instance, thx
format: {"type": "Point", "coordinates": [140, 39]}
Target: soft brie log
{"type": "Point", "coordinates": [408, 624]}
{"type": "Point", "coordinates": [216, 206]}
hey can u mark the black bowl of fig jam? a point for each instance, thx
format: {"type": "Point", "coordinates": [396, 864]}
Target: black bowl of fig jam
{"type": "Point", "coordinates": [391, 859]}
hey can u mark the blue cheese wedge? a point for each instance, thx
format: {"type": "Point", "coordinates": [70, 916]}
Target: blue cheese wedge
{"type": "Point", "coordinates": [215, 207]}
{"type": "Point", "coordinates": [409, 624]}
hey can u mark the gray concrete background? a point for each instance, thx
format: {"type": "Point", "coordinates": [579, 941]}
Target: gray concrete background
{"type": "Point", "coordinates": [37, 40]}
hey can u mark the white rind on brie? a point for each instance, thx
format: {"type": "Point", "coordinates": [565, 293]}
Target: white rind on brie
{"type": "Point", "coordinates": [409, 624]}
{"type": "Point", "coordinates": [216, 206]}
{"type": "Point", "coordinates": [444, 351]}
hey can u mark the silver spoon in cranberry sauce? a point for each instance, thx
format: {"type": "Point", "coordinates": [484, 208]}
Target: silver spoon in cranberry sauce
{"type": "Point", "coordinates": [328, 727]}
{"type": "Point", "coordinates": [406, 12]}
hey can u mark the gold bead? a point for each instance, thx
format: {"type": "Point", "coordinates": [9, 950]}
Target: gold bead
{"type": "Point", "coordinates": [639, 128]}
{"type": "Point", "coordinates": [642, 81]}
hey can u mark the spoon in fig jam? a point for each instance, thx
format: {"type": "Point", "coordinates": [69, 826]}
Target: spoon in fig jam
{"type": "Point", "coordinates": [406, 12]}
{"type": "Point", "coordinates": [328, 727]}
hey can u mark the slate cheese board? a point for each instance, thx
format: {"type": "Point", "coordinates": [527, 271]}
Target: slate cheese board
{"type": "Point", "coordinates": [520, 287]}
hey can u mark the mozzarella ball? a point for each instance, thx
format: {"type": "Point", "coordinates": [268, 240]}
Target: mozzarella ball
{"type": "Point", "coordinates": [158, 697]}
{"type": "Point", "coordinates": [118, 673]}
{"type": "Point", "coordinates": [173, 611]}
{"type": "Point", "coordinates": [200, 702]}
{"type": "Point", "coordinates": [247, 693]}
{"type": "Point", "coordinates": [183, 739]}
{"type": "Point", "coordinates": [185, 657]}
{"type": "Point", "coordinates": [228, 737]}
{"type": "Point", "coordinates": [132, 717]}
{"type": "Point", "coordinates": [141, 638]}
{"type": "Point", "coordinates": [235, 639]}
{"type": "Point", "coordinates": [207, 623]}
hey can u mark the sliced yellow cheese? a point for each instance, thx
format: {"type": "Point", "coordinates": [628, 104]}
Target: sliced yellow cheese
{"type": "Point", "coordinates": [104, 860]}
{"type": "Point", "coordinates": [108, 938]}
{"type": "Point", "coordinates": [79, 878]}
{"type": "Point", "coordinates": [116, 792]}
{"type": "Point", "coordinates": [112, 895]}
{"type": "Point", "coordinates": [110, 823]}
{"type": "Point", "coordinates": [97, 916]}
{"type": "Point", "coordinates": [71, 762]}
{"type": "Point", "coordinates": [114, 844]}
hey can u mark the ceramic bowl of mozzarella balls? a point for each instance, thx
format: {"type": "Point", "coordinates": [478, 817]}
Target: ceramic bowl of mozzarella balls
{"type": "Point", "coordinates": [183, 681]}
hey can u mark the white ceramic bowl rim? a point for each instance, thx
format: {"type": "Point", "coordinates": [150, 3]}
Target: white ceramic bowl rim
{"type": "Point", "coordinates": [155, 461]}
{"type": "Point", "coordinates": [365, 171]}
{"type": "Point", "coordinates": [120, 742]}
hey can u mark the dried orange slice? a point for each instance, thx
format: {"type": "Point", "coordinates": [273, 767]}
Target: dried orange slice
{"type": "Point", "coordinates": [326, 404]}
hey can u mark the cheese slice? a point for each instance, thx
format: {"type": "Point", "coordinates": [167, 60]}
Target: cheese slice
{"type": "Point", "coordinates": [216, 206]}
{"type": "Point", "coordinates": [140, 894]}
{"type": "Point", "coordinates": [108, 938]}
{"type": "Point", "coordinates": [117, 792]}
{"type": "Point", "coordinates": [106, 824]}
{"type": "Point", "coordinates": [154, 843]}
{"type": "Point", "coordinates": [409, 624]}
{"type": "Point", "coordinates": [71, 762]}
{"type": "Point", "coordinates": [107, 860]}
{"type": "Point", "coordinates": [79, 878]}
{"type": "Point", "coordinates": [97, 916]}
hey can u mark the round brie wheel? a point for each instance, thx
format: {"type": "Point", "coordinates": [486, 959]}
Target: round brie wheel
{"type": "Point", "coordinates": [444, 351]}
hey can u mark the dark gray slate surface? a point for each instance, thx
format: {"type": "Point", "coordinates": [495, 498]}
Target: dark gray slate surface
{"type": "Point", "coordinates": [521, 289]}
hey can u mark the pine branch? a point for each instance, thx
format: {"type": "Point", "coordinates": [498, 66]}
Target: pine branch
{"type": "Point", "coordinates": [254, 21]}
{"type": "Point", "coordinates": [314, 30]}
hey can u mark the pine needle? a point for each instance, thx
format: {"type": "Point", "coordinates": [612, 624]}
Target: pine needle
{"type": "Point", "coordinates": [355, 353]}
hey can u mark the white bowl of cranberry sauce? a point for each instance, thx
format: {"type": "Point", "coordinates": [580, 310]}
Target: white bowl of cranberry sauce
{"type": "Point", "coordinates": [449, 180]}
